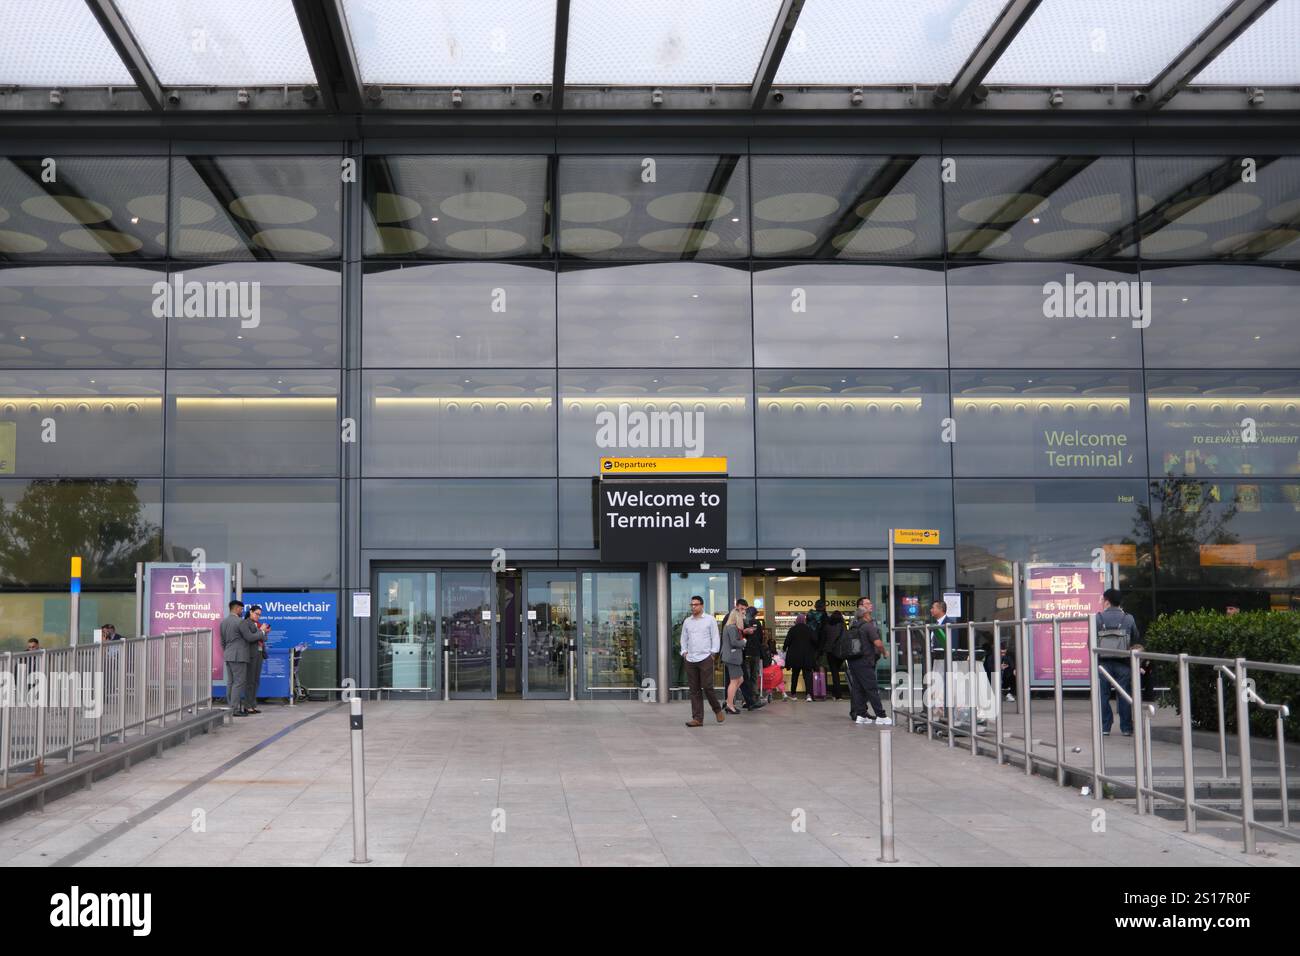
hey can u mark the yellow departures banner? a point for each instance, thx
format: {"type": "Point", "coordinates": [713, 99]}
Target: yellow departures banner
{"type": "Point", "coordinates": [663, 466]}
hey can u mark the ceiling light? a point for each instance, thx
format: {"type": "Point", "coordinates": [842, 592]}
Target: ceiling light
{"type": "Point", "coordinates": [433, 219]}
{"type": "Point", "coordinates": [769, 569]}
{"type": "Point", "coordinates": [1184, 298]}
{"type": "Point", "coordinates": [1034, 220]}
{"type": "Point", "coordinates": [855, 569]}
{"type": "Point", "coordinates": [695, 295]}
{"type": "Point", "coordinates": [735, 219]}
{"type": "Point", "coordinates": [135, 220]}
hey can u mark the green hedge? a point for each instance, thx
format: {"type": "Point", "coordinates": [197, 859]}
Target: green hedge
{"type": "Point", "coordinates": [1255, 635]}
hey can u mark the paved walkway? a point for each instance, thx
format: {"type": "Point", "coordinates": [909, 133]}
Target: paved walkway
{"type": "Point", "coordinates": [586, 783]}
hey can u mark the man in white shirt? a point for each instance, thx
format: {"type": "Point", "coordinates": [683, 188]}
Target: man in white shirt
{"type": "Point", "coordinates": [700, 641]}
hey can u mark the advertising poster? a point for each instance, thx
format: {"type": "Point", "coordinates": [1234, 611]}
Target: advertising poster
{"type": "Point", "coordinates": [1054, 591]}
{"type": "Point", "coordinates": [295, 617]}
{"type": "Point", "coordinates": [178, 598]}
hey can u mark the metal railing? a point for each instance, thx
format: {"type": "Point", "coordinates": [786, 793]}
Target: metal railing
{"type": "Point", "coordinates": [57, 702]}
{"type": "Point", "coordinates": [1017, 633]}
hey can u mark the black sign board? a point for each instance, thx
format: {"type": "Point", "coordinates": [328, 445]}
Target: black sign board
{"type": "Point", "coordinates": [663, 520]}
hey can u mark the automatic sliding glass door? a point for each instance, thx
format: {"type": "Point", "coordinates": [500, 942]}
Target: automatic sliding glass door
{"type": "Point", "coordinates": [467, 624]}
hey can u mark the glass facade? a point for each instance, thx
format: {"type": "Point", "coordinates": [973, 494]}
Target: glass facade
{"type": "Point", "coordinates": [1039, 355]}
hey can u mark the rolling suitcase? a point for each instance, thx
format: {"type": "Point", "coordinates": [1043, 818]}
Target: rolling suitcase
{"type": "Point", "coordinates": [819, 684]}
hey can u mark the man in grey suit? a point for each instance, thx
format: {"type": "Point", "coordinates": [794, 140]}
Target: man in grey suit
{"type": "Point", "coordinates": [235, 640]}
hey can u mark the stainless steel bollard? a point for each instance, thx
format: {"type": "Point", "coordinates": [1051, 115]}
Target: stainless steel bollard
{"type": "Point", "coordinates": [887, 797]}
{"type": "Point", "coordinates": [573, 675]}
{"type": "Point", "coordinates": [358, 783]}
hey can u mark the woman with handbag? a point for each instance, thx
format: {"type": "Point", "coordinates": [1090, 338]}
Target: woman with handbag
{"type": "Point", "coordinates": [732, 654]}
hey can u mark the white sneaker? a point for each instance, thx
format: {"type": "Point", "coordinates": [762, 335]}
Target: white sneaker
{"type": "Point", "coordinates": [809, 699]}
{"type": "Point", "coordinates": [863, 720]}
{"type": "Point", "coordinates": [884, 722]}
{"type": "Point", "coordinates": [1011, 698]}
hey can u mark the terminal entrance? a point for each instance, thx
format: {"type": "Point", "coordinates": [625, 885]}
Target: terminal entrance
{"type": "Point", "coordinates": [475, 634]}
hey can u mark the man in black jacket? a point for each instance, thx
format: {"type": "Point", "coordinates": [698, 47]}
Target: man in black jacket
{"type": "Point", "coordinates": [752, 688]}
{"type": "Point", "coordinates": [863, 687]}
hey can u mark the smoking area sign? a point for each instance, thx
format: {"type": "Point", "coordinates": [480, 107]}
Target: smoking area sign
{"type": "Point", "coordinates": [680, 521]}
{"type": "Point", "coordinates": [916, 536]}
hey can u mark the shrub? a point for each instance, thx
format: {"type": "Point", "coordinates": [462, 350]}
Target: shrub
{"type": "Point", "coordinates": [1264, 636]}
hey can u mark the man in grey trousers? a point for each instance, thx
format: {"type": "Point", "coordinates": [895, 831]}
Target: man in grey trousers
{"type": "Point", "coordinates": [235, 640]}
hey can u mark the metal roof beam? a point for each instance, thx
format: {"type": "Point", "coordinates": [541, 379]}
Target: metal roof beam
{"type": "Point", "coordinates": [1213, 40]}
{"type": "Point", "coordinates": [560, 56]}
{"type": "Point", "coordinates": [770, 61]}
{"type": "Point", "coordinates": [329, 44]}
{"type": "Point", "coordinates": [987, 52]}
{"type": "Point", "coordinates": [133, 58]}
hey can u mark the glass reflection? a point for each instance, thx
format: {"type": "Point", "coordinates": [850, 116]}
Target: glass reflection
{"type": "Point", "coordinates": [858, 316]}
{"type": "Point", "coordinates": [1001, 522]}
{"type": "Point", "coordinates": [851, 422]}
{"type": "Point", "coordinates": [251, 208]}
{"type": "Point", "coordinates": [847, 207]}
{"type": "Point", "coordinates": [292, 320]}
{"type": "Point", "coordinates": [458, 315]}
{"type": "Point", "coordinates": [653, 207]}
{"type": "Point", "coordinates": [246, 424]}
{"type": "Point", "coordinates": [101, 423]}
{"type": "Point", "coordinates": [111, 524]}
{"type": "Point", "coordinates": [456, 207]}
{"type": "Point", "coordinates": [443, 423]}
{"type": "Point", "coordinates": [1219, 207]}
{"type": "Point", "coordinates": [1236, 534]}
{"type": "Point", "coordinates": [1222, 316]}
{"type": "Point", "coordinates": [665, 313]}
{"type": "Point", "coordinates": [467, 628]}
{"type": "Point", "coordinates": [285, 530]}
{"type": "Point", "coordinates": [849, 513]}
{"type": "Point", "coordinates": [1030, 315]}
{"type": "Point", "coordinates": [1050, 424]}
{"type": "Point", "coordinates": [459, 513]}
{"type": "Point", "coordinates": [80, 317]}
{"type": "Point", "coordinates": [1217, 423]}
{"type": "Point", "coordinates": [83, 208]}
{"type": "Point", "coordinates": [611, 630]}
{"type": "Point", "coordinates": [657, 412]}
{"type": "Point", "coordinates": [1041, 207]}
{"type": "Point", "coordinates": [406, 629]}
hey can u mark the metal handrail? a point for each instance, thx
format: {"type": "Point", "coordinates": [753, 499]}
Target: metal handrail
{"type": "Point", "coordinates": [1236, 669]}
{"type": "Point", "coordinates": [59, 701]}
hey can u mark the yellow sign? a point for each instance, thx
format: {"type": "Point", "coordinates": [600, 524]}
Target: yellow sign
{"type": "Point", "coordinates": [663, 466]}
{"type": "Point", "coordinates": [916, 536]}
{"type": "Point", "coordinates": [76, 567]}
{"type": "Point", "coordinates": [8, 447]}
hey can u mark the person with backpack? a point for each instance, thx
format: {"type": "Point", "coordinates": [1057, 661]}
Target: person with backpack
{"type": "Point", "coordinates": [1116, 631]}
{"type": "Point", "coordinates": [861, 648]}
{"type": "Point", "coordinates": [800, 650]}
{"type": "Point", "coordinates": [833, 630]}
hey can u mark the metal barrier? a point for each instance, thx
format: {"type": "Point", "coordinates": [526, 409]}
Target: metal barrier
{"type": "Point", "coordinates": [56, 702]}
{"type": "Point", "coordinates": [1143, 782]}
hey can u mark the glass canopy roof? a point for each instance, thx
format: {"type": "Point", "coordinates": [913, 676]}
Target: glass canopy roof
{"type": "Point", "coordinates": [903, 41]}
{"type": "Point", "coordinates": [1089, 42]}
{"type": "Point", "coordinates": [728, 54]}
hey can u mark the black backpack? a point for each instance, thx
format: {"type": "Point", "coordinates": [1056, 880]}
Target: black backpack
{"type": "Point", "coordinates": [839, 642]}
